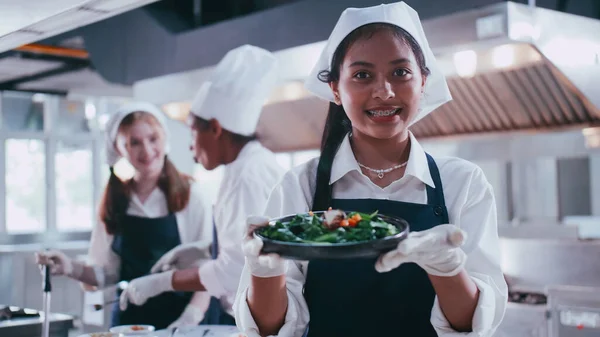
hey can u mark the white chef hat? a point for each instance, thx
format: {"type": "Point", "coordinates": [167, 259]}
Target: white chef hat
{"type": "Point", "coordinates": [112, 127]}
{"type": "Point", "coordinates": [237, 89]}
{"type": "Point", "coordinates": [436, 90]}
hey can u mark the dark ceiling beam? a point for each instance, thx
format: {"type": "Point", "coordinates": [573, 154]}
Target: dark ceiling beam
{"type": "Point", "coordinates": [69, 59]}
{"type": "Point", "coordinates": [67, 68]}
{"type": "Point", "coordinates": [45, 57]}
{"type": "Point", "coordinates": [42, 91]}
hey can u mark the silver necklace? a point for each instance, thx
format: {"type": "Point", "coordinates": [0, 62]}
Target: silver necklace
{"type": "Point", "coordinates": [380, 173]}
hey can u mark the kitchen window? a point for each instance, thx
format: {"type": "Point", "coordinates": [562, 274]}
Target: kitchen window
{"type": "Point", "coordinates": [24, 181]}
{"type": "Point", "coordinates": [52, 166]}
{"type": "Point", "coordinates": [74, 186]}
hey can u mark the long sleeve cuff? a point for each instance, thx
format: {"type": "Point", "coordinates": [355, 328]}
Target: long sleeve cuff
{"type": "Point", "coordinates": [294, 326]}
{"type": "Point", "coordinates": [210, 280]}
{"type": "Point", "coordinates": [485, 320]}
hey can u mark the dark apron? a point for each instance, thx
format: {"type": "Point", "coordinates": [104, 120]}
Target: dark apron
{"type": "Point", "coordinates": [350, 298]}
{"type": "Point", "coordinates": [215, 315]}
{"type": "Point", "coordinates": [142, 242]}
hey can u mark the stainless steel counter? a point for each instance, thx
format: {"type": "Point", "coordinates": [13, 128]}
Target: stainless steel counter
{"type": "Point", "coordinates": [32, 327]}
{"type": "Point", "coordinates": [523, 320]}
{"type": "Point", "coordinates": [534, 264]}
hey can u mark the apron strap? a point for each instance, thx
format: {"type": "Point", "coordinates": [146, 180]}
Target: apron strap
{"type": "Point", "coordinates": [214, 248]}
{"type": "Point", "coordinates": [435, 196]}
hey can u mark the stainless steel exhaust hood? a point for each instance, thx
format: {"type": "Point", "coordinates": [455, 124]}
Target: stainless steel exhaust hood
{"type": "Point", "coordinates": [510, 67]}
{"type": "Point", "coordinates": [515, 67]}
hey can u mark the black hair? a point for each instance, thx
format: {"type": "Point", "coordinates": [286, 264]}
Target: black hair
{"type": "Point", "coordinates": [337, 124]}
{"type": "Point", "coordinates": [203, 124]}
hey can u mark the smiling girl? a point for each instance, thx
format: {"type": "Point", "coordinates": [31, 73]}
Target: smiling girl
{"type": "Point", "coordinates": [380, 75]}
{"type": "Point", "coordinates": [142, 218]}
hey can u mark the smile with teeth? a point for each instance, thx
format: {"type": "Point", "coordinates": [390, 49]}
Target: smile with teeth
{"type": "Point", "coordinates": [383, 113]}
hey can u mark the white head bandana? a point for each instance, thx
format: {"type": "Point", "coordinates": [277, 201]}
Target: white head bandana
{"type": "Point", "coordinates": [112, 127]}
{"type": "Point", "coordinates": [436, 90]}
{"type": "Point", "coordinates": [237, 89]}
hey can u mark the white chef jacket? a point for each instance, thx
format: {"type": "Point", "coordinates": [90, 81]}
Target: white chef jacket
{"type": "Point", "coordinates": [245, 188]}
{"type": "Point", "coordinates": [194, 223]}
{"type": "Point", "coordinates": [471, 206]}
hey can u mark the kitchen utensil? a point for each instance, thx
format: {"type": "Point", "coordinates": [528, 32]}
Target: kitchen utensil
{"type": "Point", "coordinates": [121, 285]}
{"type": "Point", "coordinates": [47, 288]}
{"type": "Point", "coordinates": [98, 307]}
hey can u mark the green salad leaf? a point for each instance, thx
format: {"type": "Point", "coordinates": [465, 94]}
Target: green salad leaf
{"type": "Point", "coordinates": [310, 228]}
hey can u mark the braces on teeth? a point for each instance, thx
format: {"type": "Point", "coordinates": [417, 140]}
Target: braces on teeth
{"type": "Point", "coordinates": [383, 113]}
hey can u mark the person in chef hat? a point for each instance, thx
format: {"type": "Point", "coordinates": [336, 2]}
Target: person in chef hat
{"type": "Point", "coordinates": [380, 75]}
{"type": "Point", "coordinates": [224, 116]}
{"type": "Point", "coordinates": [142, 219]}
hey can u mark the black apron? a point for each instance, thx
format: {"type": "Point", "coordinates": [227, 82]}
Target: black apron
{"type": "Point", "coordinates": [215, 315]}
{"type": "Point", "coordinates": [350, 298]}
{"type": "Point", "coordinates": [140, 244]}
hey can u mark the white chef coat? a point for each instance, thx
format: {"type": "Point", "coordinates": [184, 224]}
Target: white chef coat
{"type": "Point", "coordinates": [245, 188]}
{"type": "Point", "coordinates": [194, 223]}
{"type": "Point", "coordinates": [471, 206]}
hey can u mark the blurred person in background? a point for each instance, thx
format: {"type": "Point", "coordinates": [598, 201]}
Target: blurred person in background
{"type": "Point", "coordinates": [224, 116]}
{"type": "Point", "coordinates": [157, 211]}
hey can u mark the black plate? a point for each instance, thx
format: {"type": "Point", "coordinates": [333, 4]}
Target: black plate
{"type": "Point", "coordinates": [312, 251]}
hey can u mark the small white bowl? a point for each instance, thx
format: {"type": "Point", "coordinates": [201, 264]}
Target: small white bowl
{"type": "Point", "coordinates": [101, 334]}
{"type": "Point", "coordinates": [131, 330]}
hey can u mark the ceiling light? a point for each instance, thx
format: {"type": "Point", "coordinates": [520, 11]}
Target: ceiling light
{"type": "Point", "coordinates": [592, 137]}
{"type": "Point", "coordinates": [503, 56]}
{"type": "Point", "coordinates": [465, 63]}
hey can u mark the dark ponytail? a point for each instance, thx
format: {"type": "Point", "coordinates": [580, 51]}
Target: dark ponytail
{"type": "Point", "coordinates": [175, 185]}
{"type": "Point", "coordinates": [115, 203]}
{"type": "Point", "coordinates": [338, 125]}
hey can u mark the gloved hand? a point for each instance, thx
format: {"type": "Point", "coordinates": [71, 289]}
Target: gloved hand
{"type": "Point", "coordinates": [191, 316]}
{"type": "Point", "coordinates": [261, 265]}
{"type": "Point", "coordinates": [436, 250]}
{"type": "Point", "coordinates": [139, 290]}
{"type": "Point", "coordinates": [183, 256]}
{"type": "Point", "coordinates": [59, 264]}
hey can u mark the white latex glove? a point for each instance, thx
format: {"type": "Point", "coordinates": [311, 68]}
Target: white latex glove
{"type": "Point", "coordinates": [139, 290]}
{"type": "Point", "coordinates": [191, 316]}
{"type": "Point", "coordinates": [261, 265]}
{"type": "Point", "coordinates": [183, 256]}
{"type": "Point", "coordinates": [436, 250]}
{"type": "Point", "coordinates": [59, 263]}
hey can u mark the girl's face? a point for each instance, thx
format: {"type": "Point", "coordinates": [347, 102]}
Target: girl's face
{"type": "Point", "coordinates": [144, 145]}
{"type": "Point", "coordinates": [380, 85]}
